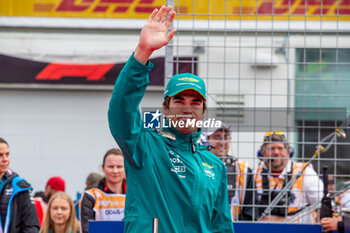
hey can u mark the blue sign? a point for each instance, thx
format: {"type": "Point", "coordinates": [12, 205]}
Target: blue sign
{"type": "Point", "coordinates": [118, 227]}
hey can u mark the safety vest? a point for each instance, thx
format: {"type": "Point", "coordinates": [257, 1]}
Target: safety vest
{"type": "Point", "coordinates": [237, 185]}
{"type": "Point", "coordinates": [277, 183]}
{"type": "Point", "coordinates": [108, 206]}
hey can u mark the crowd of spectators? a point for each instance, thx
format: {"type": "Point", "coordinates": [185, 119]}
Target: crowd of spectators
{"type": "Point", "coordinates": [53, 210]}
{"type": "Point", "coordinates": [173, 171]}
{"type": "Point", "coordinates": [248, 199]}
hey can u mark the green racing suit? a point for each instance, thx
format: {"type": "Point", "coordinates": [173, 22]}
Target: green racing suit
{"type": "Point", "coordinates": [170, 175]}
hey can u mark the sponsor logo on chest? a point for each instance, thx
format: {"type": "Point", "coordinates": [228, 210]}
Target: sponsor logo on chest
{"type": "Point", "coordinates": [178, 166]}
{"type": "Point", "coordinates": [8, 192]}
{"type": "Point", "coordinates": [208, 170]}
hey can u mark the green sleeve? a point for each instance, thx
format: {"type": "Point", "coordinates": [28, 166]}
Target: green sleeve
{"type": "Point", "coordinates": [124, 116]}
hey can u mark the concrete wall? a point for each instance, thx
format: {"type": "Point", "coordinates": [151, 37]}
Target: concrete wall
{"type": "Point", "coordinates": [55, 132]}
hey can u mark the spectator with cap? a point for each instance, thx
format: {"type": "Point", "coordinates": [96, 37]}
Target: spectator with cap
{"type": "Point", "coordinates": [239, 174]}
{"type": "Point", "coordinates": [17, 210]}
{"type": "Point", "coordinates": [53, 185]}
{"type": "Point", "coordinates": [171, 177]}
{"type": "Point", "coordinates": [275, 172]}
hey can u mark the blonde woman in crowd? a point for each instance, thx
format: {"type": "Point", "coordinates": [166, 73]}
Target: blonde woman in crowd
{"type": "Point", "coordinates": [60, 215]}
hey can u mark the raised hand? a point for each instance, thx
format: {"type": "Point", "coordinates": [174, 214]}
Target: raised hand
{"type": "Point", "coordinates": [154, 34]}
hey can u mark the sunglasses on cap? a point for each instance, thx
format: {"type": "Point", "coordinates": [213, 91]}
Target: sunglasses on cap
{"type": "Point", "coordinates": [269, 134]}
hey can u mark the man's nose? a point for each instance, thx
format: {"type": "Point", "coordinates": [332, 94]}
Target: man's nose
{"type": "Point", "coordinates": [221, 141]}
{"type": "Point", "coordinates": [187, 110]}
{"type": "Point", "coordinates": [275, 151]}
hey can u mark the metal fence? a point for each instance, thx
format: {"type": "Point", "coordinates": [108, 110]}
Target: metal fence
{"type": "Point", "coordinates": [273, 65]}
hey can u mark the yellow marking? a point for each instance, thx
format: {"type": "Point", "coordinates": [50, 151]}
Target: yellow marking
{"type": "Point", "coordinates": [189, 79]}
{"type": "Point", "coordinates": [208, 166]}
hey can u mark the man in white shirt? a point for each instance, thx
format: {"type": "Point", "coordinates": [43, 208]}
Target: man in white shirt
{"type": "Point", "coordinates": [274, 173]}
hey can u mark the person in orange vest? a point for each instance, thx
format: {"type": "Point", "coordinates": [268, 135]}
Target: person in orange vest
{"type": "Point", "coordinates": [239, 174]}
{"type": "Point", "coordinates": [106, 201]}
{"type": "Point", "coordinates": [274, 173]}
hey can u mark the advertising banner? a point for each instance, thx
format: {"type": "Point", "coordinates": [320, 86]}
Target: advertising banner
{"type": "Point", "coordinates": [326, 10]}
{"type": "Point", "coordinates": [21, 71]}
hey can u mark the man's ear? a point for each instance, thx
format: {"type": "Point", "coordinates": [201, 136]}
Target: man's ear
{"type": "Point", "coordinates": [165, 110]}
{"type": "Point", "coordinates": [203, 115]}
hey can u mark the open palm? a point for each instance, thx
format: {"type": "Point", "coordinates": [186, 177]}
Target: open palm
{"type": "Point", "coordinates": [154, 34]}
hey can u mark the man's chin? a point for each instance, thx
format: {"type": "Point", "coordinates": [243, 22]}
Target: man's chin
{"type": "Point", "coordinates": [278, 167]}
{"type": "Point", "coordinates": [3, 170]}
{"type": "Point", "coordinates": [186, 130]}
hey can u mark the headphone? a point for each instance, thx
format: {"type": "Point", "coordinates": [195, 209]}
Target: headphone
{"type": "Point", "coordinates": [271, 137]}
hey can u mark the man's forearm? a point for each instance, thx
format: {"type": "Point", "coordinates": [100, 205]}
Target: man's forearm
{"type": "Point", "coordinates": [142, 55]}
